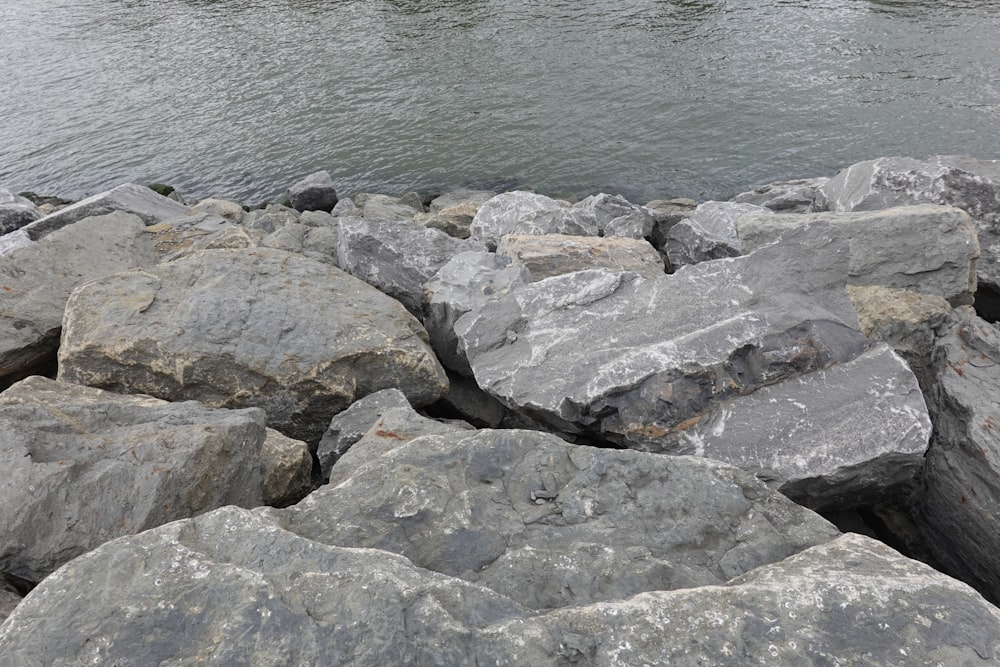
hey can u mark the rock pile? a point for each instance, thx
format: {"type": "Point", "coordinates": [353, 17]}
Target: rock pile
{"type": "Point", "coordinates": [631, 417]}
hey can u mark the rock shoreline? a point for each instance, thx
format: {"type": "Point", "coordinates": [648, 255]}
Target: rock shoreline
{"type": "Point", "coordinates": [501, 427]}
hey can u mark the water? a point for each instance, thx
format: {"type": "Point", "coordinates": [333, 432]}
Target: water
{"type": "Point", "coordinates": [656, 98]}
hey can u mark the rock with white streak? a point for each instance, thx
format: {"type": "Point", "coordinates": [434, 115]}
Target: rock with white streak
{"type": "Point", "coordinates": [499, 215]}
{"type": "Point", "coordinates": [708, 233]}
{"type": "Point", "coordinates": [794, 196]}
{"type": "Point", "coordinates": [16, 212]}
{"type": "Point", "coordinates": [319, 243]}
{"type": "Point", "coordinates": [616, 216]}
{"type": "Point", "coordinates": [347, 427]}
{"type": "Point", "coordinates": [555, 254]}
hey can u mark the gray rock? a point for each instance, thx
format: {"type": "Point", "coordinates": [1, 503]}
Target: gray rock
{"type": "Point", "coordinates": [185, 236]}
{"type": "Point", "coordinates": [463, 197]}
{"type": "Point", "coordinates": [318, 219]}
{"type": "Point", "coordinates": [346, 428]}
{"type": "Point", "coordinates": [851, 435]}
{"type": "Point", "coordinates": [452, 223]}
{"type": "Point", "coordinates": [550, 524]}
{"type": "Point", "coordinates": [384, 207]}
{"type": "Point", "coordinates": [138, 200]}
{"type": "Point", "coordinates": [616, 216]}
{"type": "Point", "coordinates": [287, 469]}
{"type": "Point", "coordinates": [555, 254]}
{"type": "Point", "coordinates": [466, 282]}
{"type": "Point", "coordinates": [953, 180]}
{"type": "Point", "coordinates": [396, 256]}
{"type": "Point", "coordinates": [957, 511]}
{"type": "Point", "coordinates": [666, 214]}
{"type": "Point", "coordinates": [37, 278]}
{"type": "Point", "coordinates": [319, 243]}
{"type": "Point", "coordinates": [793, 196]}
{"type": "Point", "coordinates": [345, 207]}
{"type": "Point", "coordinates": [16, 212]}
{"type": "Point", "coordinates": [475, 406]}
{"type": "Point", "coordinates": [565, 221]}
{"type": "Point", "coordinates": [240, 328]}
{"type": "Point", "coordinates": [499, 215]}
{"type": "Point", "coordinates": [270, 219]}
{"type": "Point", "coordinates": [229, 210]}
{"type": "Point", "coordinates": [9, 599]}
{"type": "Point", "coordinates": [927, 249]}
{"type": "Point", "coordinates": [708, 233]}
{"type": "Point", "coordinates": [315, 192]}
{"type": "Point", "coordinates": [632, 360]}
{"type": "Point", "coordinates": [85, 466]}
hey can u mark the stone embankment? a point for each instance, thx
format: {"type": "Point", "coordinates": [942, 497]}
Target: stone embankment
{"type": "Point", "coordinates": [503, 428]}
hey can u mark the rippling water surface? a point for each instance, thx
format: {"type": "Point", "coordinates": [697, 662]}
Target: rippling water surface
{"type": "Point", "coordinates": [655, 98]}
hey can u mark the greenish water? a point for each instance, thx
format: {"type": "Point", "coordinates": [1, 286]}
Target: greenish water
{"type": "Point", "coordinates": [657, 98]}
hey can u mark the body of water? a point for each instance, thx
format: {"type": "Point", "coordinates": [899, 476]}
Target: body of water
{"type": "Point", "coordinates": [655, 98]}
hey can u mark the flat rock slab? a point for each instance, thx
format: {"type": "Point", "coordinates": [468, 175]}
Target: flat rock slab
{"type": "Point", "coordinates": [85, 466]}
{"type": "Point", "coordinates": [633, 360]}
{"type": "Point", "coordinates": [242, 328]}
{"type": "Point", "coordinates": [554, 254]}
{"type": "Point", "coordinates": [37, 278]}
{"type": "Point", "coordinates": [953, 180]}
{"type": "Point", "coordinates": [928, 249]}
{"type": "Point", "coordinates": [550, 524]}
{"type": "Point", "coordinates": [851, 435]}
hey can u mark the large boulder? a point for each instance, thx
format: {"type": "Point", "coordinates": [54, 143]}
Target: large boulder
{"type": "Point", "coordinates": [397, 256]}
{"type": "Point", "coordinates": [551, 524]}
{"type": "Point", "coordinates": [616, 216]}
{"type": "Point", "coordinates": [84, 466]}
{"type": "Point", "coordinates": [555, 254]}
{"type": "Point", "coordinates": [499, 215]}
{"type": "Point", "coordinates": [36, 280]}
{"type": "Point", "coordinates": [241, 328]}
{"type": "Point", "coordinates": [385, 207]}
{"type": "Point", "coordinates": [16, 212]}
{"type": "Point", "coordinates": [927, 249]}
{"type": "Point", "coordinates": [953, 180]}
{"type": "Point", "coordinates": [349, 426]}
{"type": "Point", "coordinates": [957, 510]}
{"type": "Point", "coordinates": [315, 192]}
{"type": "Point", "coordinates": [708, 233]}
{"type": "Point", "coordinates": [794, 196]}
{"type": "Point", "coordinates": [319, 243]}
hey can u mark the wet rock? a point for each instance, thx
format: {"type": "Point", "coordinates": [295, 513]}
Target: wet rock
{"type": "Point", "coordinates": [708, 233]}
{"type": "Point", "coordinates": [952, 180]}
{"type": "Point", "coordinates": [465, 282]}
{"type": "Point", "coordinates": [555, 254]}
{"type": "Point", "coordinates": [793, 196]}
{"type": "Point", "coordinates": [287, 469]}
{"type": "Point", "coordinates": [499, 215]}
{"type": "Point", "coordinates": [315, 192]}
{"type": "Point", "coordinates": [550, 524]}
{"type": "Point", "coordinates": [241, 328]}
{"type": "Point", "coordinates": [85, 466]}
{"type": "Point", "coordinates": [851, 435]}
{"type": "Point", "coordinates": [927, 249]}
{"type": "Point", "coordinates": [16, 212]}
{"type": "Point", "coordinates": [957, 511]}
{"type": "Point", "coordinates": [37, 278]}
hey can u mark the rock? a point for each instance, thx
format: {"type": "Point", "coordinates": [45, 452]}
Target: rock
{"type": "Point", "coordinates": [241, 328]}
{"type": "Point", "coordinates": [616, 216]}
{"type": "Point", "coordinates": [345, 207]}
{"type": "Point", "coordinates": [952, 180]}
{"type": "Point", "coordinates": [9, 599]}
{"type": "Point", "coordinates": [271, 219]}
{"type": "Point", "coordinates": [168, 191]}
{"type": "Point", "coordinates": [793, 196]}
{"type": "Point", "coordinates": [550, 524]}
{"type": "Point", "coordinates": [452, 223]}
{"type": "Point", "coordinates": [85, 466]}
{"type": "Point", "coordinates": [666, 214]}
{"type": "Point", "coordinates": [631, 360]}
{"type": "Point", "coordinates": [461, 198]}
{"type": "Point", "coordinates": [384, 207]}
{"type": "Point", "coordinates": [499, 215]}
{"type": "Point", "coordinates": [848, 436]}
{"type": "Point", "coordinates": [229, 210]}
{"type": "Point", "coordinates": [472, 404]}
{"type": "Point", "coordinates": [16, 212]}
{"type": "Point", "coordinates": [349, 426]}
{"type": "Point", "coordinates": [927, 249]}
{"type": "Point", "coordinates": [37, 278]}
{"type": "Point", "coordinates": [708, 233]}
{"type": "Point", "coordinates": [465, 282]}
{"type": "Point", "coordinates": [957, 511]}
{"type": "Point", "coordinates": [315, 192]}
{"type": "Point", "coordinates": [287, 469]}
{"type": "Point", "coordinates": [396, 256]}
{"type": "Point", "coordinates": [195, 230]}
{"type": "Point", "coordinates": [318, 219]}
{"type": "Point", "coordinates": [555, 254]}
{"type": "Point", "coordinates": [565, 221]}
{"type": "Point", "coordinates": [138, 200]}
{"type": "Point", "coordinates": [908, 321]}
{"type": "Point", "coordinates": [319, 243]}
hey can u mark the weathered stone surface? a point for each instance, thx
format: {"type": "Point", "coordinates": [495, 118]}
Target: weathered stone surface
{"type": "Point", "coordinates": [36, 280]}
{"type": "Point", "coordinates": [566, 221]}
{"type": "Point", "coordinates": [455, 222]}
{"type": "Point", "coordinates": [315, 192]}
{"type": "Point", "coordinates": [9, 599]}
{"type": "Point", "coordinates": [396, 256]}
{"type": "Point", "coordinates": [346, 428]}
{"type": "Point", "coordinates": [793, 196]}
{"type": "Point", "coordinates": [466, 282]}
{"type": "Point", "coordinates": [318, 219]}
{"type": "Point", "coordinates": [84, 466]}
{"type": "Point", "coordinates": [499, 215]}
{"type": "Point", "coordinates": [287, 469]}
{"type": "Point", "coordinates": [16, 212]}
{"type": "Point", "coordinates": [270, 219]}
{"type": "Point", "coordinates": [555, 254]}
{"type": "Point", "coordinates": [138, 200]}
{"type": "Point", "coordinates": [384, 207]}
{"type": "Point", "coordinates": [616, 216]}
{"type": "Point", "coordinates": [319, 243]}
{"type": "Point", "coordinates": [230, 210]}
{"type": "Point", "coordinates": [708, 233]}
{"type": "Point", "coordinates": [182, 237]}
{"type": "Point", "coordinates": [927, 249]}
{"type": "Point", "coordinates": [345, 207]}
{"type": "Point", "coordinates": [957, 511]}
{"type": "Point", "coordinates": [666, 214]}
{"type": "Point", "coordinates": [851, 435]}
{"type": "Point", "coordinates": [908, 321]}
{"type": "Point", "coordinates": [550, 524]}
{"type": "Point", "coordinates": [240, 328]}
{"type": "Point", "coordinates": [632, 360]}
{"type": "Point", "coordinates": [953, 180]}
{"type": "Point", "coordinates": [461, 198]}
